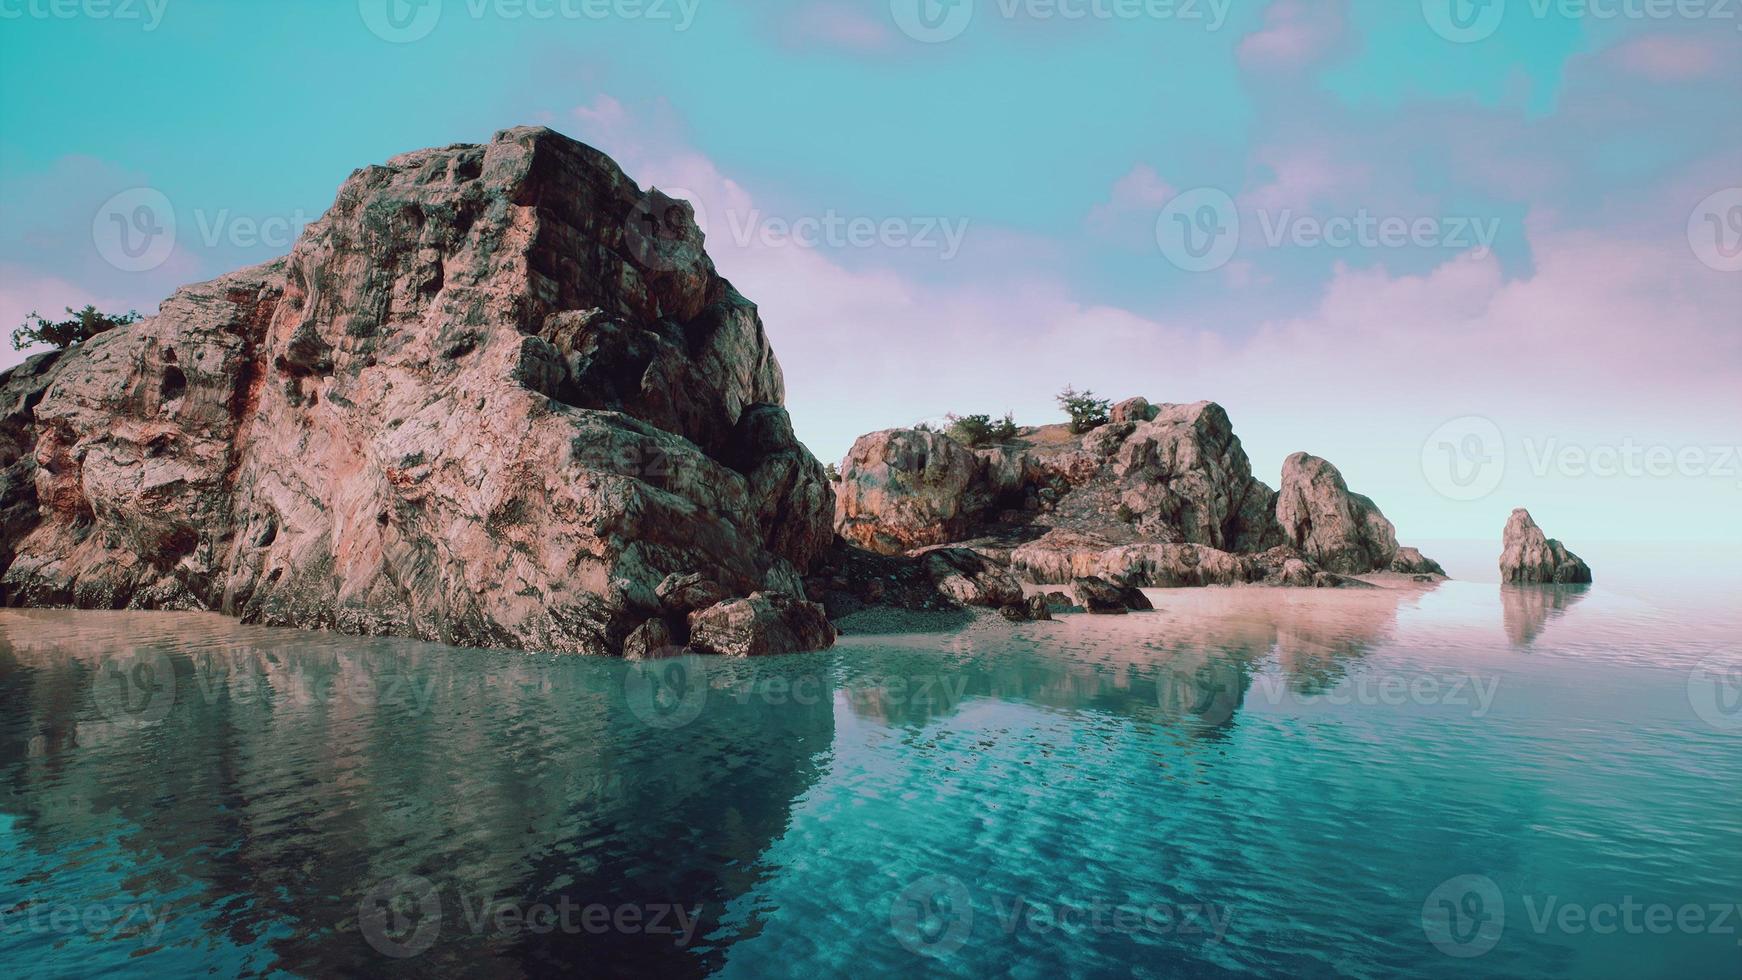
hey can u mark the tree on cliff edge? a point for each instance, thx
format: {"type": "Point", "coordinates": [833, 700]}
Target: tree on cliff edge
{"type": "Point", "coordinates": [80, 326]}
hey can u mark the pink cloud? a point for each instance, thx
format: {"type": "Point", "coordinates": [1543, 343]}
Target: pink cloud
{"type": "Point", "coordinates": [1296, 34]}
{"type": "Point", "coordinates": [1134, 199]}
{"type": "Point", "coordinates": [831, 23]}
{"type": "Point", "coordinates": [1611, 334]}
{"type": "Point", "coordinates": [1668, 57]}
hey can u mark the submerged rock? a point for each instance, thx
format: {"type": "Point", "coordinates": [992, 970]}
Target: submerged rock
{"type": "Point", "coordinates": [762, 624]}
{"type": "Point", "coordinates": [1100, 596]}
{"type": "Point", "coordinates": [480, 402]}
{"type": "Point", "coordinates": [1528, 556]}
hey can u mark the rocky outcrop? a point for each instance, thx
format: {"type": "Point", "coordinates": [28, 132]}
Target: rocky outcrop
{"type": "Point", "coordinates": [494, 397]}
{"type": "Point", "coordinates": [762, 624]}
{"type": "Point", "coordinates": [1342, 532]}
{"type": "Point", "coordinates": [1184, 474]}
{"type": "Point", "coordinates": [1530, 557]}
{"type": "Point", "coordinates": [1161, 496]}
{"type": "Point", "coordinates": [908, 488]}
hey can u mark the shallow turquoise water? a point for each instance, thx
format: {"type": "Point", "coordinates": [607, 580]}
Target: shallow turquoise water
{"type": "Point", "coordinates": [1453, 782]}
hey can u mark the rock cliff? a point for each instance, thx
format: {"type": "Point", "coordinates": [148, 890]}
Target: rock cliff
{"type": "Point", "coordinates": [494, 397]}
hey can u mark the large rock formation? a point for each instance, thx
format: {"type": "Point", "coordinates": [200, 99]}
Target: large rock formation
{"type": "Point", "coordinates": [493, 397]}
{"type": "Point", "coordinates": [1530, 557]}
{"type": "Point", "coordinates": [1161, 496]}
{"type": "Point", "coordinates": [1342, 531]}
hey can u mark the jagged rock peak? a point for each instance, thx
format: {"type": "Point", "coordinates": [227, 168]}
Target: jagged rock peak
{"type": "Point", "coordinates": [1528, 556]}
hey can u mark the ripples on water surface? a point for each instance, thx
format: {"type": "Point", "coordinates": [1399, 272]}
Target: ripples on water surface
{"type": "Point", "coordinates": [1286, 783]}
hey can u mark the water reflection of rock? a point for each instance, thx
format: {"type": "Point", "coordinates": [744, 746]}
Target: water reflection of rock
{"type": "Point", "coordinates": [1191, 663]}
{"type": "Point", "coordinates": [288, 773]}
{"type": "Point", "coordinates": [1526, 610]}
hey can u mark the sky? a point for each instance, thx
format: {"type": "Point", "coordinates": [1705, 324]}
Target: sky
{"type": "Point", "coordinates": [1480, 254]}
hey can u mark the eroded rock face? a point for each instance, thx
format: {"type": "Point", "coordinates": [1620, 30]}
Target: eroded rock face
{"type": "Point", "coordinates": [1530, 557]}
{"type": "Point", "coordinates": [20, 390]}
{"type": "Point", "coordinates": [1186, 472]}
{"type": "Point", "coordinates": [493, 397]}
{"type": "Point", "coordinates": [1342, 531]}
{"type": "Point", "coordinates": [905, 488]}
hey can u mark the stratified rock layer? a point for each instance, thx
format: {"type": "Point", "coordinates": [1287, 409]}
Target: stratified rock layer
{"type": "Point", "coordinates": [493, 397]}
{"type": "Point", "coordinates": [1530, 557]}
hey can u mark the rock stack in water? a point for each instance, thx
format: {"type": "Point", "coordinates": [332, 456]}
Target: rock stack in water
{"type": "Point", "coordinates": [494, 397]}
{"type": "Point", "coordinates": [1530, 557]}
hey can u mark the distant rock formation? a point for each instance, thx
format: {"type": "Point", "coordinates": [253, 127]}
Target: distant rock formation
{"type": "Point", "coordinates": [1161, 496]}
{"type": "Point", "coordinates": [493, 397]}
{"type": "Point", "coordinates": [1530, 557]}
